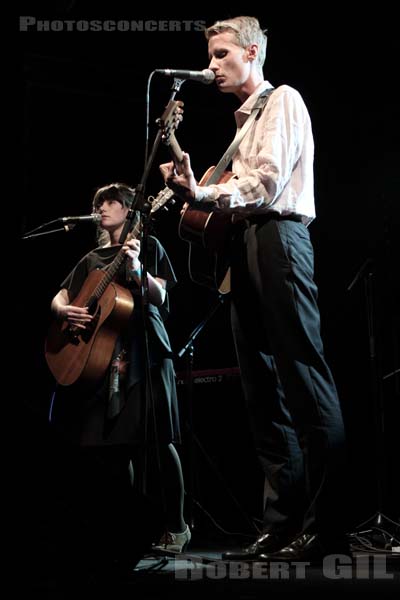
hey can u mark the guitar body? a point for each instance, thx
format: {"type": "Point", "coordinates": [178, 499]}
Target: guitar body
{"type": "Point", "coordinates": [208, 234]}
{"type": "Point", "coordinates": [84, 355]}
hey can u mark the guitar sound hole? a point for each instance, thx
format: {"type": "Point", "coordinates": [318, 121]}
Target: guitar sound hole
{"type": "Point", "coordinates": [92, 305]}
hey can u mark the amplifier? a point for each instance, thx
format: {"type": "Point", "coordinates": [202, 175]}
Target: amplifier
{"type": "Point", "coordinates": [217, 452]}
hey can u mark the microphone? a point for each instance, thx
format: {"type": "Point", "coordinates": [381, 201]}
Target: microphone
{"type": "Point", "coordinates": [205, 76]}
{"type": "Point", "coordinates": [93, 218]}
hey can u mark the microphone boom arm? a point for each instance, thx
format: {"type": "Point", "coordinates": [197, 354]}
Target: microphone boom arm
{"type": "Point", "coordinates": [68, 224]}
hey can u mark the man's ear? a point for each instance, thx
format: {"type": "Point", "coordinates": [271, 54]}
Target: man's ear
{"type": "Point", "coordinates": [252, 51]}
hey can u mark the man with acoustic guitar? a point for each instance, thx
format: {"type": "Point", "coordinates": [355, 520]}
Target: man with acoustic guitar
{"type": "Point", "coordinates": [291, 396]}
{"type": "Point", "coordinates": [117, 395]}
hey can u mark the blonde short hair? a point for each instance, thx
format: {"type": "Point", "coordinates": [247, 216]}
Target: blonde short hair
{"type": "Point", "coordinates": [246, 30]}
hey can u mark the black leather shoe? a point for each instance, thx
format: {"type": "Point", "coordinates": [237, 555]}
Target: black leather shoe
{"type": "Point", "coordinates": [268, 542]}
{"type": "Point", "coordinates": [308, 547]}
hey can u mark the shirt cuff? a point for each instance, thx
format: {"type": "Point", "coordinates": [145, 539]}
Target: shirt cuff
{"type": "Point", "coordinates": [205, 194]}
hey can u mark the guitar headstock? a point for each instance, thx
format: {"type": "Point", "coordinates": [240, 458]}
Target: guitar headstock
{"type": "Point", "coordinates": [168, 123]}
{"type": "Point", "coordinates": [161, 199]}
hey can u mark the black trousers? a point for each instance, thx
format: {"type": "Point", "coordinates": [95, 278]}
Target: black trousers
{"type": "Point", "coordinates": [291, 396]}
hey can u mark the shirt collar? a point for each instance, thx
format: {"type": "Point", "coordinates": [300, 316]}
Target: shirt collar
{"type": "Point", "coordinates": [247, 106]}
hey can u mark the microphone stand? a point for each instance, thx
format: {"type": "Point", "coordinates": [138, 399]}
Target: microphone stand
{"type": "Point", "coordinates": [29, 236]}
{"type": "Point", "coordinates": [188, 349]}
{"type": "Point", "coordinates": [138, 202]}
{"type": "Point", "coordinates": [367, 273]}
{"type": "Point", "coordinates": [142, 205]}
{"type": "Point", "coordinates": [37, 233]}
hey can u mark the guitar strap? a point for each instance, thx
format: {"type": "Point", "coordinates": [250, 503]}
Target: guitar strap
{"type": "Point", "coordinates": [259, 105]}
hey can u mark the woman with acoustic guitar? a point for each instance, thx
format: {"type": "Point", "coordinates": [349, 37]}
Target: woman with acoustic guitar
{"type": "Point", "coordinates": [117, 393]}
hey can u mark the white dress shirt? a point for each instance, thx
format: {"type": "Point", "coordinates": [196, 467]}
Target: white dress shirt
{"type": "Point", "coordinates": [274, 164]}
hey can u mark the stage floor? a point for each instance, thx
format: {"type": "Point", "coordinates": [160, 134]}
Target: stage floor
{"type": "Point", "coordinates": [201, 572]}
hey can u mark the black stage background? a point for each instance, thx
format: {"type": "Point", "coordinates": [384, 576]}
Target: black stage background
{"type": "Point", "coordinates": [82, 115]}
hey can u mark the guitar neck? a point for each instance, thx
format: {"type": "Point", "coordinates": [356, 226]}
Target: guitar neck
{"type": "Point", "coordinates": [109, 275]}
{"type": "Point", "coordinates": [114, 267]}
{"type": "Point", "coordinates": [176, 151]}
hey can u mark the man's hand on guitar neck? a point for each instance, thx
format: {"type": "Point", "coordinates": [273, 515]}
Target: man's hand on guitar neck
{"type": "Point", "coordinates": [183, 183]}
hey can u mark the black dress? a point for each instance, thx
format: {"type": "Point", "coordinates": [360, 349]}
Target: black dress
{"type": "Point", "coordinates": [117, 415]}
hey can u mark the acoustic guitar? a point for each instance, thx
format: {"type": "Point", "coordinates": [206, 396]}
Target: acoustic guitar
{"type": "Point", "coordinates": [83, 355]}
{"type": "Point", "coordinates": [207, 232]}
